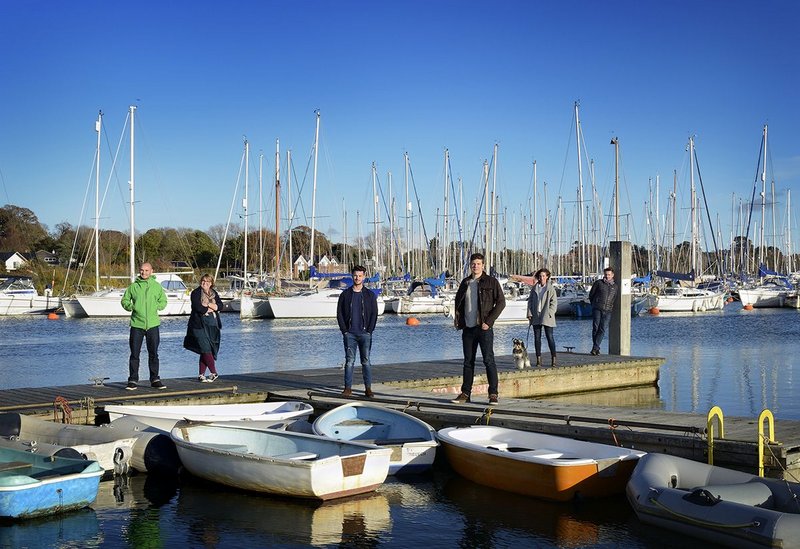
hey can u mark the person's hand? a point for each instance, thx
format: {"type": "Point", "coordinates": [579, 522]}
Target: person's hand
{"type": "Point", "coordinates": [484, 326]}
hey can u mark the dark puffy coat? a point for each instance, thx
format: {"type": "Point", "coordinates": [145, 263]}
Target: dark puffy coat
{"type": "Point", "coordinates": [603, 294]}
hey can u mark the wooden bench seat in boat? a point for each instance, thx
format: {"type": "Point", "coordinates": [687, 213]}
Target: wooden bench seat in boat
{"type": "Point", "coordinates": [13, 465]}
{"type": "Point", "coordinates": [297, 456]}
{"type": "Point", "coordinates": [226, 447]}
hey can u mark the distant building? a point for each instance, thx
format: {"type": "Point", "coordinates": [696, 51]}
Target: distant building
{"type": "Point", "coordinates": [324, 264]}
{"type": "Point", "coordinates": [48, 258]}
{"type": "Point", "coordinates": [13, 260]}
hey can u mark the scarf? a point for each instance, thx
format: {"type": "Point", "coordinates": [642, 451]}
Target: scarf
{"type": "Point", "coordinates": [206, 298]}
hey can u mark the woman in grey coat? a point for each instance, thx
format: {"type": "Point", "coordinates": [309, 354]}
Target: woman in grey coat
{"type": "Point", "coordinates": [542, 305]}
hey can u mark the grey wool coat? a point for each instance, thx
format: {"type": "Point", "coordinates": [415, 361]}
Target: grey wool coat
{"type": "Point", "coordinates": [543, 313]}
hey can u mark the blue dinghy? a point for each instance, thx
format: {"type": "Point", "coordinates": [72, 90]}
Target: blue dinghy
{"type": "Point", "coordinates": [33, 485]}
{"type": "Point", "coordinates": [413, 441]}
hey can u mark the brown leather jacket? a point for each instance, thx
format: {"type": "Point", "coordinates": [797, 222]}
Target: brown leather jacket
{"type": "Point", "coordinates": [491, 300]}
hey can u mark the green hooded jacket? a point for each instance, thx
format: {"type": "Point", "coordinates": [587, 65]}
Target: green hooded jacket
{"type": "Point", "coordinates": [144, 298]}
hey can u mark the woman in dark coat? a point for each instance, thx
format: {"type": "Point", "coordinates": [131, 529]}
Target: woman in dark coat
{"type": "Point", "coordinates": [203, 331]}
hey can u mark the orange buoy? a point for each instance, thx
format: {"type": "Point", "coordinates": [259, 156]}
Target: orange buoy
{"type": "Point", "coordinates": [748, 307]}
{"type": "Point", "coordinates": [654, 311]}
{"type": "Point", "coordinates": [52, 316]}
{"type": "Point", "coordinates": [412, 321]}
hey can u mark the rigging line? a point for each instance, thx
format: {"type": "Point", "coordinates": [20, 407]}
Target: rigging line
{"type": "Point", "coordinates": [708, 215]}
{"type": "Point", "coordinates": [752, 200]}
{"type": "Point", "coordinates": [421, 218]}
{"type": "Point", "coordinates": [389, 216]}
{"type": "Point", "coordinates": [458, 212]}
{"type": "Point", "coordinates": [230, 215]}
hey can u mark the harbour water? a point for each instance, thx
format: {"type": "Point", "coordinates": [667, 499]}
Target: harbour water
{"type": "Point", "coordinates": [742, 361]}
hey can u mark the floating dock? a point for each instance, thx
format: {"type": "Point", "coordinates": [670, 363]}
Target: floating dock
{"type": "Point", "coordinates": [424, 389]}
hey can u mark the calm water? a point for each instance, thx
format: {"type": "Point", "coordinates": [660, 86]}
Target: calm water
{"type": "Point", "coordinates": [740, 360]}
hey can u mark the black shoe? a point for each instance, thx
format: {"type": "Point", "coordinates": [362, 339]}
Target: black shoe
{"type": "Point", "coordinates": [131, 386]}
{"type": "Point", "coordinates": [158, 385]}
{"type": "Point", "coordinates": [492, 400]}
{"type": "Point", "coordinates": [595, 352]}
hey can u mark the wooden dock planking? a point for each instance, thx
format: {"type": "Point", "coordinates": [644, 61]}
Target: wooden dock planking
{"type": "Point", "coordinates": [429, 385]}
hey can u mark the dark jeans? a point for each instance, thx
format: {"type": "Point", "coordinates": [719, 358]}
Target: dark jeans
{"type": "Point", "coordinates": [537, 339]}
{"type": "Point", "coordinates": [600, 320]}
{"type": "Point", "coordinates": [362, 342]}
{"type": "Point", "coordinates": [471, 339]}
{"type": "Point", "coordinates": [152, 337]}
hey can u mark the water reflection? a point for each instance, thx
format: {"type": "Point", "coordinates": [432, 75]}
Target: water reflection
{"type": "Point", "coordinates": [491, 516]}
{"type": "Point", "coordinates": [631, 397]}
{"type": "Point", "coordinates": [260, 521]}
{"type": "Point", "coordinates": [74, 529]}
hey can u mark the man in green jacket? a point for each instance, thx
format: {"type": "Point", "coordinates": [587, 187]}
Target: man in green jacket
{"type": "Point", "coordinates": [144, 298]}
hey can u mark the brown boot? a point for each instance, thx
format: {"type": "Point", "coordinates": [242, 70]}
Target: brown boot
{"type": "Point", "coordinates": [347, 392]}
{"type": "Point", "coordinates": [368, 392]}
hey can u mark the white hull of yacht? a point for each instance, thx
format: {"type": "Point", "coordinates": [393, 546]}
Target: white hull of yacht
{"type": "Point", "coordinates": [763, 298]}
{"type": "Point", "coordinates": [251, 307]}
{"type": "Point", "coordinates": [72, 308]}
{"type": "Point", "coordinates": [691, 301]}
{"type": "Point", "coordinates": [320, 304]}
{"type": "Point", "coordinates": [27, 304]}
{"type": "Point", "coordinates": [516, 310]}
{"type": "Point", "coordinates": [416, 305]}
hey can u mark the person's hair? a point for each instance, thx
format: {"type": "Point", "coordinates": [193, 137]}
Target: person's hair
{"type": "Point", "coordinates": [475, 256]}
{"type": "Point", "coordinates": [608, 269]}
{"type": "Point", "coordinates": [358, 268]}
{"type": "Point", "coordinates": [207, 277]}
{"type": "Point", "coordinates": [540, 271]}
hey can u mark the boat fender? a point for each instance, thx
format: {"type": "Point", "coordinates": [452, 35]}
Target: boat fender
{"type": "Point", "coordinates": [10, 424]}
{"type": "Point", "coordinates": [699, 496]}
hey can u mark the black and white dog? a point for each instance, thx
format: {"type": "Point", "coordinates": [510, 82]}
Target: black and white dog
{"type": "Point", "coordinates": [520, 354]}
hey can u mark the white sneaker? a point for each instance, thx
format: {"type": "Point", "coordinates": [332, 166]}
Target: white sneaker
{"type": "Point", "coordinates": [201, 379]}
{"type": "Point", "coordinates": [211, 378]}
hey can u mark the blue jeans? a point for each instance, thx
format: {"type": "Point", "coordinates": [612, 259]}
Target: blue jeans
{"type": "Point", "coordinates": [362, 342]}
{"type": "Point", "coordinates": [537, 339]}
{"type": "Point", "coordinates": [152, 337]}
{"type": "Point", "coordinates": [471, 339]}
{"type": "Point", "coordinates": [600, 320]}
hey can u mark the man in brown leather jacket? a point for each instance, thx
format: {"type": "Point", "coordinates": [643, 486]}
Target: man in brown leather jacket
{"type": "Point", "coordinates": [478, 302]}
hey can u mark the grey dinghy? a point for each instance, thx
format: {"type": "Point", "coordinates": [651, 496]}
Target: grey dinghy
{"type": "Point", "coordinates": [716, 504]}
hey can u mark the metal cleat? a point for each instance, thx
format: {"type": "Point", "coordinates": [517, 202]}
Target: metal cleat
{"type": "Point", "coordinates": [98, 381]}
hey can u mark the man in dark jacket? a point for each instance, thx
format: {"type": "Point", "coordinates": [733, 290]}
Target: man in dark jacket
{"type": "Point", "coordinates": [357, 313]}
{"type": "Point", "coordinates": [602, 296]}
{"type": "Point", "coordinates": [478, 302]}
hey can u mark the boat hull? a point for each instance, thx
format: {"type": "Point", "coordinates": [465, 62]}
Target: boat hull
{"type": "Point", "coordinates": [26, 304]}
{"type": "Point", "coordinates": [412, 441]}
{"type": "Point", "coordinates": [541, 466]}
{"type": "Point", "coordinates": [315, 305]}
{"type": "Point", "coordinates": [667, 491]}
{"type": "Point", "coordinates": [33, 486]}
{"type": "Point", "coordinates": [280, 462]}
{"type": "Point", "coordinates": [164, 418]}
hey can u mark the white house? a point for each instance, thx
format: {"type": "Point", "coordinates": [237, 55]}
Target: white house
{"type": "Point", "coordinates": [12, 260]}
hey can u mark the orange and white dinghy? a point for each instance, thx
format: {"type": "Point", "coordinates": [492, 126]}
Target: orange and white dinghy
{"type": "Point", "coordinates": [534, 464]}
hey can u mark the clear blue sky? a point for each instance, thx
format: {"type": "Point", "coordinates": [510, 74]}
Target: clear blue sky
{"type": "Point", "coordinates": [391, 77]}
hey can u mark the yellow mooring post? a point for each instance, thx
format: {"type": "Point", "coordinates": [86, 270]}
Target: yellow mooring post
{"type": "Point", "coordinates": [715, 412]}
{"type": "Point", "coordinates": [765, 414]}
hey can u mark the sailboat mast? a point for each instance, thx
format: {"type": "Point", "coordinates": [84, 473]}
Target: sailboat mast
{"type": "Point", "coordinates": [375, 258]}
{"type": "Point", "coordinates": [581, 229]}
{"type": "Point", "coordinates": [535, 220]}
{"type": "Point", "coordinates": [244, 204]}
{"type": "Point", "coordinates": [314, 192]}
{"type": "Point", "coordinates": [409, 264]}
{"type": "Point", "coordinates": [131, 188]}
{"type": "Point", "coordinates": [763, 198]}
{"type": "Point", "coordinates": [97, 127]}
{"type": "Point", "coordinates": [493, 224]}
{"type": "Point", "coordinates": [615, 142]}
{"type": "Point", "coordinates": [277, 213]}
{"type": "Point", "coordinates": [260, 210]}
{"type": "Point", "coordinates": [693, 206]}
{"type": "Point", "coordinates": [291, 210]}
{"type": "Point", "coordinates": [443, 244]}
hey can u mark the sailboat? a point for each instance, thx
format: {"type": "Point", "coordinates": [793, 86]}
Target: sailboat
{"type": "Point", "coordinates": [105, 303]}
{"type": "Point", "coordinates": [689, 297]}
{"type": "Point", "coordinates": [18, 296]}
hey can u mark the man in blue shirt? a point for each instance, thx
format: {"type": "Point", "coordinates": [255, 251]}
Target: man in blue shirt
{"type": "Point", "coordinates": [357, 313]}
